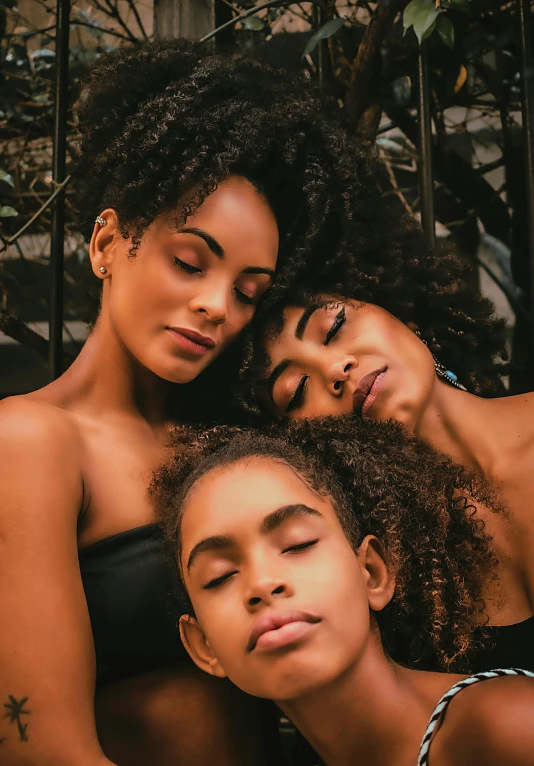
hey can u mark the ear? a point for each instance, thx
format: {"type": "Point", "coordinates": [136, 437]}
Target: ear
{"type": "Point", "coordinates": [198, 646]}
{"type": "Point", "coordinates": [414, 327]}
{"type": "Point", "coordinates": [102, 245]}
{"type": "Point", "coordinates": [379, 581]}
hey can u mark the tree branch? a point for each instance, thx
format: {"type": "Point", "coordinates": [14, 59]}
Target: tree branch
{"type": "Point", "coordinates": [364, 66]}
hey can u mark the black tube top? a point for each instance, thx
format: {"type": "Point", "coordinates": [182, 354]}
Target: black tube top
{"type": "Point", "coordinates": [508, 646]}
{"type": "Point", "coordinates": [128, 585]}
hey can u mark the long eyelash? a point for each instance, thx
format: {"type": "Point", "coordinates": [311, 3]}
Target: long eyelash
{"type": "Point", "coordinates": [301, 546]}
{"type": "Point", "coordinates": [336, 325]}
{"type": "Point", "coordinates": [186, 266]}
{"type": "Point", "coordinates": [218, 581]}
{"type": "Point", "coordinates": [298, 396]}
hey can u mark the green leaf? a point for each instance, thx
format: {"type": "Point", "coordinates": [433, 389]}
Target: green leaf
{"type": "Point", "coordinates": [327, 30]}
{"type": "Point", "coordinates": [422, 16]}
{"type": "Point", "coordinates": [253, 23]}
{"type": "Point", "coordinates": [446, 30]}
{"type": "Point", "coordinates": [7, 212]}
{"type": "Point", "coordinates": [6, 178]}
{"type": "Point", "coordinates": [428, 32]}
{"type": "Point", "coordinates": [460, 5]}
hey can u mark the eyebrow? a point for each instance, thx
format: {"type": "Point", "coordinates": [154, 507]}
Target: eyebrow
{"type": "Point", "coordinates": [211, 242]}
{"type": "Point", "coordinates": [271, 522]}
{"type": "Point", "coordinates": [305, 318]}
{"type": "Point", "coordinates": [259, 270]}
{"type": "Point", "coordinates": [218, 250]}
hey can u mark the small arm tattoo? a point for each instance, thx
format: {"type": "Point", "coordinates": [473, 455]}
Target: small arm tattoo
{"type": "Point", "coordinates": [15, 711]}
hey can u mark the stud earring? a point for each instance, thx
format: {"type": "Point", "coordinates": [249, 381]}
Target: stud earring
{"type": "Point", "coordinates": [101, 221]}
{"type": "Point", "coordinates": [441, 370]}
{"type": "Point", "coordinates": [103, 270]}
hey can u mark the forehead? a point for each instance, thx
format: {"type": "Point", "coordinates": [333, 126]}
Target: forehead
{"type": "Point", "coordinates": [237, 214]}
{"type": "Point", "coordinates": [241, 494]}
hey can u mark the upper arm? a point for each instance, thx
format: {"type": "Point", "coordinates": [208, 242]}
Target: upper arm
{"type": "Point", "coordinates": [46, 649]}
{"type": "Point", "coordinates": [493, 727]}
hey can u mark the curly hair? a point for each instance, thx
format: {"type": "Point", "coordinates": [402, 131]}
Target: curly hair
{"type": "Point", "coordinates": [166, 119]}
{"type": "Point", "coordinates": [434, 291]}
{"type": "Point", "coordinates": [382, 481]}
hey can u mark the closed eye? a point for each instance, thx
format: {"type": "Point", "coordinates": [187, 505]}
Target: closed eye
{"type": "Point", "coordinates": [218, 580]}
{"type": "Point", "coordinates": [300, 546]}
{"type": "Point", "coordinates": [244, 298]}
{"type": "Point", "coordinates": [298, 397]}
{"type": "Point", "coordinates": [339, 321]}
{"type": "Point", "coordinates": [186, 266]}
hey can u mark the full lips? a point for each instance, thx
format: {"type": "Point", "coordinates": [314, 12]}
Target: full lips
{"type": "Point", "coordinates": [365, 387]}
{"type": "Point", "coordinates": [373, 393]}
{"type": "Point", "coordinates": [285, 636]}
{"type": "Point", "coordinates": [188, 344]}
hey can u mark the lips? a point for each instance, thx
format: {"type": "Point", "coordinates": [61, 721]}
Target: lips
{"type": "Point", "coordinates": [191, 340]}
{"type": "Point", "coordinates": [268, 623]}
{"type": "Point", "coordinates": [364, 388]}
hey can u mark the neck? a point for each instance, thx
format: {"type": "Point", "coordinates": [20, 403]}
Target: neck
{"type": "Point", "coordinates": [473, 431]}
{"type": "Point", "coordinates": [372, 714]}
{"type": "Point", "coordinates": [105, 380]}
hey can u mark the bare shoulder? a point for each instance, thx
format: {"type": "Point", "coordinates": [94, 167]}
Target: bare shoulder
{"type": "Point", "coordinates": [23, 419]}
{"type": "Point", "coordinates": [490, 723]}
{"type": "Point", "coordinates": [40, 457]}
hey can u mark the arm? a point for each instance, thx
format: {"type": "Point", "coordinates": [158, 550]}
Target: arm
{"type": "Point", "coordinates": [491, 726]}
{"type": "Point", "coordinates": [47, 665]}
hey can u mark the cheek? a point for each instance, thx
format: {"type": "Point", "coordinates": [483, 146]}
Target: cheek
{"type": "Point", "coordinates": [222, 621]}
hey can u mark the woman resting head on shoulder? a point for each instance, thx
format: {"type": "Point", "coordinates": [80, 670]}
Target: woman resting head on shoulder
{"type": "Point", "coordinates": [317, 583]}
{"type": "Point", "coordinates": [205, 182]}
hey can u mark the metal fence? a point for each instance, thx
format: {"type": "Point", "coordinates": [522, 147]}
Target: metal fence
{"type": "Point", "coordinates": [425, 141]}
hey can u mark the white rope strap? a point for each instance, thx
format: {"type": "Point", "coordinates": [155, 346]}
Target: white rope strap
{"type": "Point", "coordinates": [447, 697]}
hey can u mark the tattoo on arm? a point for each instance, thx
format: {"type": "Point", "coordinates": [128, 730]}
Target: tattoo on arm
{"type": "Point", "coordinates": [15, 711]}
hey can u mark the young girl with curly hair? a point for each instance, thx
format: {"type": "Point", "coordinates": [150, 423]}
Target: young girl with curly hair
{"type": "Point", "coordinates": [212, 180]}
{"type": "Point", "coordinates": [384, 353]}
{"type": "Point", "coordinates": [315, 584]}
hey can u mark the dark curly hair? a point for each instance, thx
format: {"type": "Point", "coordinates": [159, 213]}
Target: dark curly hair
{"type": "Point", "coordinates": [384, 482]}
{"type": "Point", "coordinates": [166, 119]}
{"type": "Point", "coordinates": [434, 291]}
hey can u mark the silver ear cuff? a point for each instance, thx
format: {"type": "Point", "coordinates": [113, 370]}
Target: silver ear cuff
{"type": "Point", "coordinates": [101, 221]}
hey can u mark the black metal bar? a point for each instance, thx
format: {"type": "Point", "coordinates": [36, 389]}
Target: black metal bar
{"type": "Point", "coordinates": [426, 183]}
{"type": "Point", "coordinates": [527, 80]}
{"type": "Point", "coordinates": [57, 249]}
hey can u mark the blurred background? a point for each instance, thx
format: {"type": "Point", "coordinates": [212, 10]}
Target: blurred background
{"type": "Point", "coordinates": [441, 90]}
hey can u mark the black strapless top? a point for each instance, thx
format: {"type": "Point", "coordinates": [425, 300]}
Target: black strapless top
{"type": "Point", "coordinates": [128, 586]}
{"type": "Point", "coordinates": [509, 646]}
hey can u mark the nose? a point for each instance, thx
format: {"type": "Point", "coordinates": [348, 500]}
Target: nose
{"type": "Point", "coordinates": [265, 591]}
{"type": "Point", "coordinates": [338, 374]}
{"type": "Point", "coordinates": [211, 301]}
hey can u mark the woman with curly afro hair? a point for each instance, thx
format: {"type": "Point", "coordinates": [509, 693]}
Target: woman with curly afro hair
{"type": "Point", "coordinates": [324, 569]}
{"type": "Point", "coordinates": [363, 350]}
{"type": "Point", "coordinates": [213, 180]}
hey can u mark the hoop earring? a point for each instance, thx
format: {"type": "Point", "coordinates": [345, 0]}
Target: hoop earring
{"type": "Point", "coordinates": [441, 370]}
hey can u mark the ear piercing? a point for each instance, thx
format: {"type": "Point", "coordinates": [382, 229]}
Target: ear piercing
{"type": "Point", "coordinates": [103, 270]}
{"type": "Point", "coordinates": [101, 221]}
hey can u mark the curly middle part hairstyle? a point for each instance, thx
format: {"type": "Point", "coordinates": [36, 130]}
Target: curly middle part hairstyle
{"type": "Point", "coordinates": [164, 123]}
{"type": "Point", "coordinates": [381, 481]}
